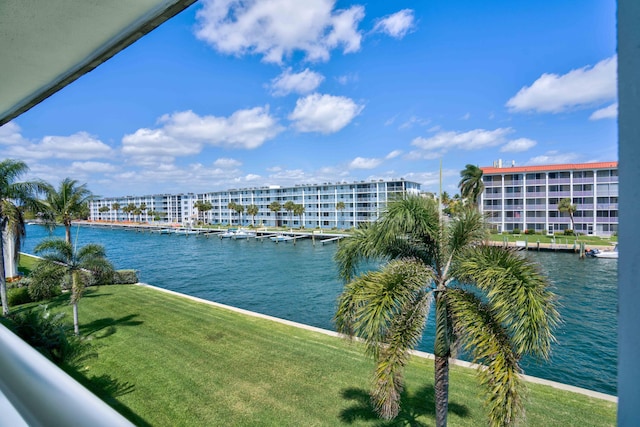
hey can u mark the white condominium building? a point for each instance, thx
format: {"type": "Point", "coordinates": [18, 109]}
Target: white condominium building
{"type": "Point", "coordinates": [328, 205]}
{"type": "Point", "coordinates": [527, 197]}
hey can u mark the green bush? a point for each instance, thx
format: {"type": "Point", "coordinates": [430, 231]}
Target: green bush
{"type": "Point", "coordinates": [568, 232]}
{"type": "Point", "coordinates": [42, 290]}
{"type": "Point", "coordinates": [516, 231]}
{"type": "Point", "coordinates": [49, 335]}
{"type": "Point", "coordinates": [18, 296]}
{"type": "Point", "coordinates": [530, 231]}
{"type": "Point", "coordinates": [125, 277]}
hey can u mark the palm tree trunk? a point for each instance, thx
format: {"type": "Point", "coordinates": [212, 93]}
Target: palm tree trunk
{"type": "Point", "coordinates": [3, 280]}
{"type": "Point", "coordinates": [74, 301]}
{"type": "Point", "coordinates": [442, 390]}
{"type": "Point", "coordinates": [442, 351]}
{"type": "Point", "coordinates": [67, 232]}
{"type": "Point", "coordinates": [76, 324]}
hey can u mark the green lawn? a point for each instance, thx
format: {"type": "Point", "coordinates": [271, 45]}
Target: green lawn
{"type": "Point", "coordinates": [164, 360]}
{"type": "Point", "coordinates": [533, 238]}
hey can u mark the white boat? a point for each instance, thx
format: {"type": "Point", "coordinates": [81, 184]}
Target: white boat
{"type": "Point", "coordinates": [243, 234]}
{"type": "Point", "coordinates": [227, 234]}
{"type": "Point", "coordinates": [612, 254]}
{"type": "Point", "coordinates": [281, 238]}
{"type": "Point", "coordinates": [185, 231]}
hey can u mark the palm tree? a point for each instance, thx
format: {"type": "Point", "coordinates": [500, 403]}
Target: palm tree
{"type": "Point", "coordinates": [202, 207]}
{"type": "Point", "coordinates": [116, 207]}
{"type": "Point", "coordinates": [13, 196]}
{"type": "Point", "coordinates": [66, 204]}
{"type": "Point", "coordinates": [471, 185]}
{"type": "Point", "coordinates": [104, 209]}
{"type": "Point", "coordinates": [289, 206]}
{"type": "Point", "coordinates": [298, 210]}
{"type": "Point", "coordinates": [275, 207]}
{"type": "Point", "coordinates": [239, 210]}
{"type": "Point", "coordinates": [129, 210]}
{"type": "Point", "coordinates": [62, 259]}
{"type": "Point", "coordinates": [143, 209]}
{"type": "Point", "coordinates": [340, 206]}
{"type": "Point", "coordinates": [493, 302]}
{"type": "Point", "coordinates": [253, 210]}
{"type": "Point", "coordinates": [565, 205]}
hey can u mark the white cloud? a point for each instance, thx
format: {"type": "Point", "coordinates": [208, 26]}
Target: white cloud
{"type": "Point", "coordinates": [435, 146]}
{"type": "Point", "coordinates": [226, 163]}
{"type": "Point", "coordinates": [347, 78]}
{"type": "Point", "coordinates": [10, 134]}
{"type": "Point", "coordinates": [610, 112]}
{"type": "Point", "coordinates": [466, 116]}
{"type": "Point", "coordinates": [278, 28]}
{"type": "Point", "coordinates": [93, 167]}
{"type": "Point", "coordinates": [186, 133]}
{"type": "Point", "coordinates": [579, 88]}
{"type": "Point", "coordinates": [413, 120]}
{"type": "Point", "coordinates": [303, 82]}
{"type": "Point", "coordinates": [324, 113]}
{"type": "Point", "coordinates": [393, 154]}
{"type": "Point", "coordinates": [79, 146]}
{"type": "Point", "coordinates": [553, 158]}
{"type": "Point", "coordinates": [252, 177]}
{"type": "Point", "coordinates": [396, 25]}
{"type": "Point", "coordinates": [518, 145]}
{"type": "Point", "coordinates": [364, 163]}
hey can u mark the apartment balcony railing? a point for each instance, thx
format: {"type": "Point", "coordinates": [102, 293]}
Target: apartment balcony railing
{"type": "Point", "coordinates": [536, 194]}
{"type": "Point", "coordinates": [559, 194]}
{"type": "Point", "coordinates": [583, 193]}
{"type": "Point", "coordinates": [492, 208]}
{"type": "Point", "coordinates": [559, 180]}
{"type": "Point", "coordinates": [536, 181]}
{"type": "Point", "coordinates": [583, 180]}
{"type": "Point", "coordinates": [607, 206]}
{"type": "Point", "coordinates": [34, 391]}
{"type": "Point", "coordinates": [493, 196]}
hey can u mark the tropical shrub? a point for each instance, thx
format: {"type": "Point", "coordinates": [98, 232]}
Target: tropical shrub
{"type": "Point", "coordinates": [568, 232]}
{"type": "Point", "coordinates": [49, 335]}
{"type": "Point", "coordinates": [18, 296]}
{"type": "Point", "coordinates": [125, 277]}
{"type": "Point", "coordinates": [516, 231]}
{"type": "Point", "coordinates": [43, 283]}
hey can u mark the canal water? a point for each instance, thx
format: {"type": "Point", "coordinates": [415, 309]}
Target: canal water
{"type": "Point", "coordinates": [300, 283]}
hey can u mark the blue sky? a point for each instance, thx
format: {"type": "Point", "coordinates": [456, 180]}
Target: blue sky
{"type": "Point", "coordinates": [235, 94]}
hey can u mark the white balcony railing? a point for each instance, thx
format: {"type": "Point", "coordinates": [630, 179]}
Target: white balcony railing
{"type": "Point", "coordinates": [35, 392]}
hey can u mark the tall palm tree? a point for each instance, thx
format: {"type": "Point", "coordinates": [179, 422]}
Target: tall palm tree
{"type": "Point", "coordinates": [493, 302]}
{"type": "Point", "coordinates": [565, 205]}
{"type": "Point", "coordinates": [289, 206]}
{"type": "Point", "coordinates": [298, 210]}
{"type": "Point", "coordinates": [116, 207]}
{"type": "Point", "coordinates": [13, 197]}
{"type": "Point", "coordinates": [253, 210]}
{"type": "Point", "coordinates": [65, 204]}
{"type": "Point", "coordinates": [62, 259]}
{"type": "Point", "coordinates": [275, 207]}
{"type": "Point", "coordinates": [240, 210]}
{"type": "Point", "coordinates": [471, 185]}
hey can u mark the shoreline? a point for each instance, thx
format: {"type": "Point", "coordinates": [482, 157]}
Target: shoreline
{"type": "Point", "coordinates": [417, 353]}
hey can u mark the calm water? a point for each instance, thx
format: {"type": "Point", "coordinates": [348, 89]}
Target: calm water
{"type": "Point", "coordinates": [299, 282]}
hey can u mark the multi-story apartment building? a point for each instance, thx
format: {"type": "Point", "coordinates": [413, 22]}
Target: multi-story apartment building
{"type": "Point", "coordinates": [527, 197]}
{"type": "Point", "coordinates": [328, 205]}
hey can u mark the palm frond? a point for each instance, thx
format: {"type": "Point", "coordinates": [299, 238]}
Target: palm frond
{"type": "Point", "coordinates": [484, 337]}
{"type": "Point", "coordinates": [403, 335]}
{"type": "Point", "coordinates": [519, 294]}
{"type": "Point", "coordinates": [56, 250]}
{"type": "Point", "coordinates": [369, 303]}
{"type": "Point", "coordinates": [466, 228]}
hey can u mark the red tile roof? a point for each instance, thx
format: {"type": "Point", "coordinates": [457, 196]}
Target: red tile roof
{"type": "Point", "coordinates": [488, 170]}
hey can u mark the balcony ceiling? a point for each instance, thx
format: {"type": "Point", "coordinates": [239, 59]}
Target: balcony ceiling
{"type": "Point", "coordinates": [47, 44]}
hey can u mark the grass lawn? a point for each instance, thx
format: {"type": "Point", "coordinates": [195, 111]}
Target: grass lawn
{"type": "Point", "coordinates": [164, 360]}
{"type": "Point", "coordinates": [533, 238]}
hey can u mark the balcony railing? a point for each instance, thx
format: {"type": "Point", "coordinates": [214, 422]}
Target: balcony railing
{"type": "Point", "coordinates": [34, 391]}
